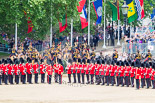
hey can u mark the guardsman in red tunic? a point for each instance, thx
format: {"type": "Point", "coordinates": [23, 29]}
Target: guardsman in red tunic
{"type": "Point", "coordinates": [55, 67]}
{"type": "Point", "coordinates": [153, 76]}
{"type": "Point", "coordinates": [42, 71]}
{"type": "Point", "coordinates": [49, 71]}
{"type": "Point", "coordinates": [102, 71]}
{"type": "Point", "coordinates": [112, 73]}
{"type": "Point", "coordinates": [23, 72]}
{"type": "Point", "coordinates": [148, 74]}
{"type": "Point", "coordinates": [5, 71]}
{"type": "Point", "coordinates": [82, 70]}
{"type": "Point", "coordinates": [36, 70]}
{"type": "Point", "coordinates": [127, 78]}
{"type": "Point", "coordinates": [74, 69]}
{"type": "Point", "coordinates": [10, 71]}
{"type": "Point", "coordinates": [78, 70]}
{"type": "Point", "coordinates": [143, 71]}
{"type": "Point", "coordinates": [138, 74]}
{"type": "Point", "coordinates": [60, 71]}
{"type": "Point", "coordinates": [29, 71]}
{"type": "Point", "coordinates": [69, 70]}
{"type": "Point", "coordinates": [92, 71]}
{"type": "Point", "coordinates": [17, 71]}
{"type": "Point", "coordinates": [97, 72]}
{"type": "Point", "coordinates": [132, 73]}
{"type": "Point", "coordinates": [107, 74]}
{"type": "Point", "coordinates": [117, 69]}
{"type": "Point", "coordinates": [122, 70]}
{"type": "Point", "coordinates": [87, 71]}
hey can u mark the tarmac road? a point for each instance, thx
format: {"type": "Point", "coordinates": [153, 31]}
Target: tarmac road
{"type": "Point", "coordinates": [73, 93]}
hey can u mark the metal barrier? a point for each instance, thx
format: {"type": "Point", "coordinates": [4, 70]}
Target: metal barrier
{"type": "Point", "coordinates": [142, 47]}
{"type": "Point", "coordinates": [5, 48]}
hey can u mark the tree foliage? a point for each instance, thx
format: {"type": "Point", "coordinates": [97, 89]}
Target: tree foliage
{"type": "Point", "coordinates": [41, 12]}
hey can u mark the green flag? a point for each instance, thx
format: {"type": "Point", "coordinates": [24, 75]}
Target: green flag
{"type": "Point", "coordinates": [114, 11]}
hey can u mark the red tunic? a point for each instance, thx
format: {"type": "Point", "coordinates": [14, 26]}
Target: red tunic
{"type": "Point", "coordinates": [69, 71]}
{"type": "Point", "coordinates": [42, 69]}
{"type": "Point", "coordinates": [107, 71]}
{"type": "Point", "coordinates": [35, 67]}
{"type": "Point", "coordinates": [153, 75]}
{"type": "Point", "coordinates": [122, 72]}
{"type": "Point", "coordinates": [78, 68]}
{"type": "Point", "coordinates": [117, 71]}
{"type": "Point", "coordinates": [97, 67]}
{"type": "Point", "coordinates": [17, 70]}
{"type": "Point", "coordinates": [10, 69]}
{"type": "Point", "coordinates": [127, 71]}
{"type": "Point", "coordinates": [29, 68]}
{"type": "Point", "coordinates": [148, 72]}
{"type": "Point", "coordinates": [22, 69]}
{"type": "Point", "coordinates": [112, 69]}
{"type": "Point", "coordinates": [132, 72]}
{"type": "Point", "coordinates": [55, 68]}
{"type": "Point", "coordinates": [143, 71]}
{"type": "Point", "coordinates": [138, 73]}
{"type": "Point", "coordinates": [60, 69]}
{"type": "Point", "coordinates": [82, 69]}
{"type": "Point", "coordinates": [87, 69]}
{"type": "Point", "coordinates": [74, 68]}
{"type": "Point", "coordinates": [102, 69]}
{"type": "Point", "coordinates": [49, 69]}
{"type": "Point", "coordinates": [92, 69]}
{"type": "Point", "coordinates": [5, 70]}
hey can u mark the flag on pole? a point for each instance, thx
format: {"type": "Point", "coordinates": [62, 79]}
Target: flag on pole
{"type": "Point", "coordinates": [115, 10]}
{"type": "Point", "coordinates": [140, 9]}
{"type": "Point", "coordinates": [98, 10]}
{"type": "Point", "coordinates": [132, 16]}
{"type": "Point", "coordinates": [63, 24]}
{"type": "Point", "coordinates": [83, 14]}
{"type": "Point", "coordinates": [153, 14]}
{"type": "Point", "coordinates": [81, 5]}
{"type": "Point", "coordinates": [30, 25]}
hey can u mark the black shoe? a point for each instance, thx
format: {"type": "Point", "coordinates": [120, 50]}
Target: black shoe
{"type": "Point", "coordinates": [107, 85]}
{"type": "Point", "coordinates": [68, 82]}
{"type": "Point", "coordinates": [102, 84]}
{"type": "Point", "coordinates": [92, 83]}
{"type": "Point", "coordinates": [97, 84]}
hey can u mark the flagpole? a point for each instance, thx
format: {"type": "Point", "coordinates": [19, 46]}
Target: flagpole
{"type": "Point", "coordinates": [104, 46]}
{"type": "Point", "coordinates": [16, 36]}
{"type": "Point", "coordinates": [71, 32]}
{"type": "Point", "coordinates": [118, 43]}
{"type": "Point", "coordinates": [51, 36]}
{"type": "Point", "coordinates": [89, 24]}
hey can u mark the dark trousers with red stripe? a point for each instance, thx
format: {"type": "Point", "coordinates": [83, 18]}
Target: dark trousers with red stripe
{"type": "Point", "coordinates": [78, 75]}
{"type": "Point", "coordinates": [74, 76]}
{"type": "Point", "coordinates": [82, 74]}
{"type": "Point", "coordinates": [60, 78]}
{"type": "Point", "coordinates": [69, 78]}
{"type": "Point", "coordinates": [92, 78]}
{"type": "Point", "coordinates": [36, 78]}
{"type": "Point", "coordinates": [49, 78]}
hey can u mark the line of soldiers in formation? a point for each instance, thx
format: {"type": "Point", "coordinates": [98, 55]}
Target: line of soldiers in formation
{"type": "Point", "coordinates": [15, 70]}
{"type": "Point", "coordinates": [80, 63]}
{"type": "Point", "coordinates": [104, 72]}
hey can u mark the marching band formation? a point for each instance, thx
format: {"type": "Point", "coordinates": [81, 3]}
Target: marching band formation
{"type": "Point", "coordinates": [83, 66]}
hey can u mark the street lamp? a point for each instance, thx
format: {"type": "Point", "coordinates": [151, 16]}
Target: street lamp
{"type": "Point", "coordinates": [125, 12]}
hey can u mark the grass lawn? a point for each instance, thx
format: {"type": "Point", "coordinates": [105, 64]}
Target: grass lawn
{"type": "Point", "coordinates": [4, 55]}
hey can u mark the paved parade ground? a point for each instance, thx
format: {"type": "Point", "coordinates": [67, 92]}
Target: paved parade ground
{"type": "Point", "coordinates": [73, 93]}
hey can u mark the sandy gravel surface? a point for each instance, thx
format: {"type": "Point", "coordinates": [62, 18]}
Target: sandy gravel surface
{"type": "Point", "coordinates": [73, 93]}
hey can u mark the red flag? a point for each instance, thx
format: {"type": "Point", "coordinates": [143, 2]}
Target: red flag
{"type": "Point", "coordinates": [81, 5]}
{"type": "Point", "coordinates": [30, 25]}
{"type": "Point", "coordinates": [118, 10]}
{"type": "Point", "coordinates": [63, 24]}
